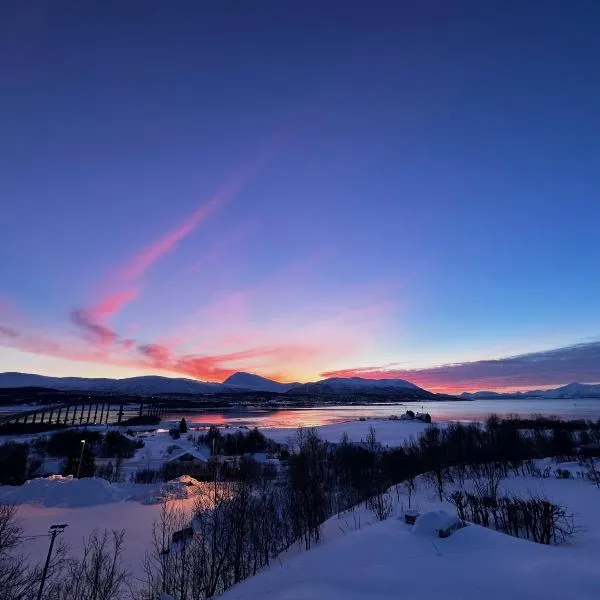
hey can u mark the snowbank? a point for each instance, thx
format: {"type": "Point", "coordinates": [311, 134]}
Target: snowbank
{"type": "Point", "coordinates": [57, 490]}
{"type": "Point", "coordinates": [431, 523]}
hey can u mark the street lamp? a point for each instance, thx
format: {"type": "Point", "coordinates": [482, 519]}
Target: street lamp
{"type": "Point", "coordinates": [80, 458]}
{"type": "Point", "coordinates": [53, 531]}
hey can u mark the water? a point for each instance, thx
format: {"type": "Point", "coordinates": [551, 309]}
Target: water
{"type": "Point", "coordinates": [461, 410]}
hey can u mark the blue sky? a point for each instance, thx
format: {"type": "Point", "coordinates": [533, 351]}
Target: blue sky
{"type": "Point", "coordinates": [297, 188]}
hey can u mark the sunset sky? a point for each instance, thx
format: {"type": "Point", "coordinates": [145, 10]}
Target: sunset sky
{"type": "Point", "coordinates": [302, 189]}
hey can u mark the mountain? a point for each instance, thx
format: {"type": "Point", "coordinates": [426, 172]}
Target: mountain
{"type": "Point", "coordinates": [569, 391]}
{"type": "Point", "coordinates": [358, 385]}
{"type": "Point", "coordinates": [149, 384]}
{"type": "Point", "coordinates": [256, 383]}
{"type": "Point", "coordinates": [238, 382]}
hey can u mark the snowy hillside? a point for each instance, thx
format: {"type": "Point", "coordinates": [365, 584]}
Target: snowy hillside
{"type": "Point", "coordinates": [360, 559]}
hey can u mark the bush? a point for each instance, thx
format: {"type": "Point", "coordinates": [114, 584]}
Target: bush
{"type": "Point", "coordinates": [147, 476]}
{"type": "Point", "coordinates": [562, 474]}
{"type": "Point", "coordinates": [533, 518]}
{"type": "Point", "coordinates": [174, 433]}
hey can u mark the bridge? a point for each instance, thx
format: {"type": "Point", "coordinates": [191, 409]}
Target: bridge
{"type": "Point", "coordinates": [82, 412]}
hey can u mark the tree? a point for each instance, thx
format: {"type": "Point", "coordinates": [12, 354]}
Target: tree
{"type": "Point", "coordinates": [88, 464]}
{"type": "Point", "coordinates": [183, 427]}
{"type": "Point", "coordinates": [378, 500]}
{"type": "Point", "coordinates": [13, 569]}
{"type": "Point", "coordinates": [99, 573]}
{"type": "Point", "coordinates": [434, 457]}
{"type": "Point", "coordinates": [13, 463]}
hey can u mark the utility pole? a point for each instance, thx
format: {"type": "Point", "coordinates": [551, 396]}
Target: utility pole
{"type": "Point", "coordinates": [53, 531]}
{"type": "Point", "coordinates": [80, 458]}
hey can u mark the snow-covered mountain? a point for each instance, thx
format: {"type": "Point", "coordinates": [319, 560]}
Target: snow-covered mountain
{"type": "Point", "coordinates": [251, 382]}
{"type": "Point", "coordinates": [149, 384]}
{"type": "Point", "coordinates": [238, 382]}
{"type": "Point", "coordinates": [359, 385]}
{"type": "Point", "coordinates": [569, 391]}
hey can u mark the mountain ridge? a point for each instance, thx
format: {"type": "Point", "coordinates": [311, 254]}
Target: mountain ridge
{"type": "Point", "coordinates": [570, 390]}
{"type": "Point", "coordinates": [238, 382]}
{"type": "Point", "coordinates": [250, 382]}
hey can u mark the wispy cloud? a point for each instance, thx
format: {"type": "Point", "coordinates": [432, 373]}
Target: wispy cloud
{"type": "Point", "coordinates": [580, 362]}
{"type": "Point", "coordinates": [144, 259]}
{"type": "Point", "coordinates": [113, 303]}
{"type": "Point", "coordinates": [136, 267]}
{"type": "Point", "coordinates": [93, 331]}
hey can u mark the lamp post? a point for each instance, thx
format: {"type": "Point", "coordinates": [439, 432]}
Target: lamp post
{"type": "Point", "coordinates": [80, 458]}
{"type": "Point", "coordinates": [53, 531]}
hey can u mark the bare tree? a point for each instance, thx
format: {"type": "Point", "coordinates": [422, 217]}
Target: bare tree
{"type": "Point", "coordinates": [593, 472]}
{"type": "Point", "coordinates": [99, 573]}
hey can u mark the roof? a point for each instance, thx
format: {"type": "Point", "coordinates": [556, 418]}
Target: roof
{"type": "Point", "coordinates": [195, 454]}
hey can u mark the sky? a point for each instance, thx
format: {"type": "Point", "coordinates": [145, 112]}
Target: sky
{"type": "Point", "coordinates": [301, 190]}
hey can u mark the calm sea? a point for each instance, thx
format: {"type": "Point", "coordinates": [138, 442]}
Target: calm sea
{"type": "Point", "coordinates": [467, 411]}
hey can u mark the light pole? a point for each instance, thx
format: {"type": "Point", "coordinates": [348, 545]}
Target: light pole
{"type": "Point", "coordinates": [53, 531]}
{"type": "Point", "coordinates": [80, 458]}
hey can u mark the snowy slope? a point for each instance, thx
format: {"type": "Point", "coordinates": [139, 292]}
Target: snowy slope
{"type": "Point", "coordinates": [360, 559]}
{"type": "Point", "coordinates": [386, 562]}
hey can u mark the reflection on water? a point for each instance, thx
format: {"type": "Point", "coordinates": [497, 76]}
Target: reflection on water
{"type": "Point", "coordinates": [461, 410]}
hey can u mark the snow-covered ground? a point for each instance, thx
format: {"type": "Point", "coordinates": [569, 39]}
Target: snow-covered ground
{"type": "Point", "coordinates": [389, 432]}
{"type": "Point", "coordinates": [361, 559]}
{"type": "Point", "coordinates": [357, 558]}
{"type": "Point", "coordinates": [91, 503]}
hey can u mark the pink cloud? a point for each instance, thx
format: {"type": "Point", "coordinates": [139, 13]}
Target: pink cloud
{"type": "Point", "coordinates": [113, 303]}
{"type": "Point", "coordinates": [148, 256]}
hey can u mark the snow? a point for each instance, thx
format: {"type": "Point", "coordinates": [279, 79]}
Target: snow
{"type": "Point", "coordinates": [57, 490]}
{"type": "Point", "coordinates": [360, 559]}
{"type": "Point", "coordinates": [389, 432]}
{"type": "Point", "coordinates": [432, 522]}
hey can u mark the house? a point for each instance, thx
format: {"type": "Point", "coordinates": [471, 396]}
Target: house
{"type": "Point", "coordinates": [189, 456]}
